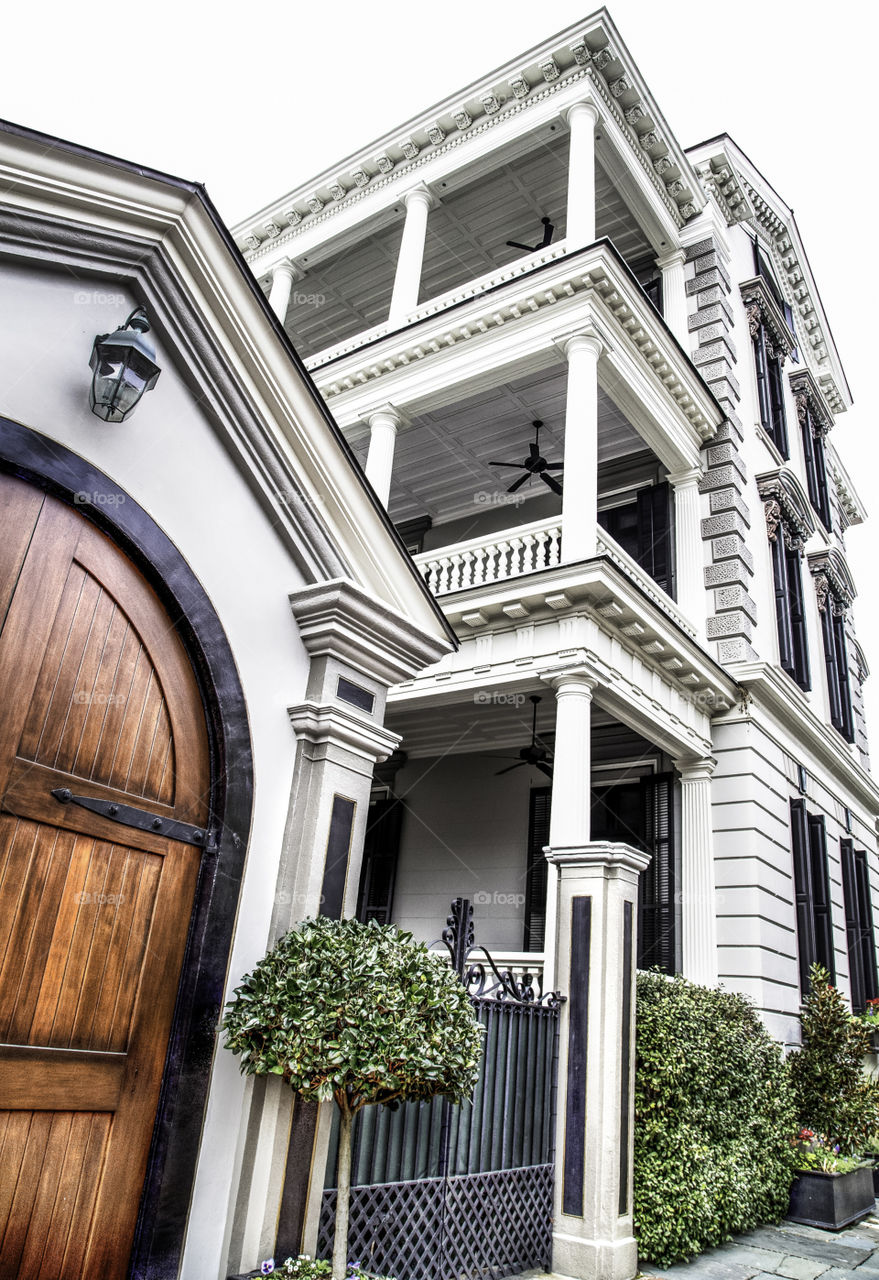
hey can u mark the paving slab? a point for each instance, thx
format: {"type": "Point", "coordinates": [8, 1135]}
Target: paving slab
{"type": "Point", "coordinates": [796, 1268]}
{"type": "Point", "coordinates": [829, 1248]}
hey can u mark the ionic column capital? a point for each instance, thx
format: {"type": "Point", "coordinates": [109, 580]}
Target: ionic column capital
{"type": "Point", "coordinates": [420, 194]}
{"type": "Point", "coordinates": [685, 479]}
{"type": "Point", "coordinates": [386, 415]}
{"type": "Point", "coordinates": [583, 110]}
{"type": "Point", "coordinates": [674, 258]}
{"type": "Point", "coordinates": [696, 769]}
{"type": "Point", "coordinates": [584, 340]}
{"type": "Point", "coordinates": [580, 679]}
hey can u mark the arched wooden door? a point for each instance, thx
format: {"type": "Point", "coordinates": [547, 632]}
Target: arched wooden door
{"type": "Point", "coordinates": [98, 702]}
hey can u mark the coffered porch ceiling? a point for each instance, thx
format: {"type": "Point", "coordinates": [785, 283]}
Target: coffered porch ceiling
{"type": "Point", "coordinates": [442, 460]}
{"type": "Point", "coordinates": [347, 292]}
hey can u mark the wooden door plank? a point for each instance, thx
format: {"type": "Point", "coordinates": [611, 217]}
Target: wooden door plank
{"type": "Point", "coordinates": [46, 1195]}
{"type": "Point", "coordinates": [103, 695]}
{"type": "Point", "coordinates": [30, 1168]}
{"type": "Point", "coordinates": [123, 940]}
{"type": "Point", "coordinates": [38, 1079]}
{"type": "Point", "coordinates": [83, 682]}
{"type": "Point", "coordinates": [21, 504]}
{"type": "Point", "coordinates": [29, 622]}
{"type": "Point", "coordinates": [83, 1223]}
{"type": "Point", "coordinates": [132, 961]}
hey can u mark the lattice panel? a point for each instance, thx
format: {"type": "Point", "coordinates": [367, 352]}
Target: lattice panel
{"type": "Point", "coordinates": [480, 1226]}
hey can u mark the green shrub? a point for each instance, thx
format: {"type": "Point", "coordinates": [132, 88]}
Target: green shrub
{"type": "Point", "coordinates": [714, 1119]}
{"type": "Point", "coordinates": [833, 1097]}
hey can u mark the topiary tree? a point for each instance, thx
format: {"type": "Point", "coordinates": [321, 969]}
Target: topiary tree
{"type": "Point", "coordinates": [714, 1119]}
{"type": "Point", "coordinates": [362, 1014]}
{"type": "Point", "coordinates": [834, 1097]}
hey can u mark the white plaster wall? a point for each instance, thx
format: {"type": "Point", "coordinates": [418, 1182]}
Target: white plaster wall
{"type": "Point", "coordinates": [168, 458]}
{"type": "Point", "coordinates": [464, 834]}
{"type": "Point", "coordinates": [755, 780]}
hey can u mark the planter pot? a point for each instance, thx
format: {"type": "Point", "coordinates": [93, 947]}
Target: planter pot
{"type": "Point", "coordinates": [831, 1200]}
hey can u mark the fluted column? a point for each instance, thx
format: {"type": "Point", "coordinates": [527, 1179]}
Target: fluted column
{"type": "Point", "coordinates": [570, 814]}
{"type": "Point", "coordinates": [582, 118]}
{"type": "Point", "coordinates": [407, 281]}
{"type": "Point", "coordinates": [697, 896]}
{"type": "Point", "coordinates": [674, 295]}
{"type": "Point", "coordinates": [689, 568]}
{"type": "Point", "coordinates": [383, 426]}
{"type": "Point", "coordinates": [580, 485]}
{"type": "Point", "coordinates": [284, 276]}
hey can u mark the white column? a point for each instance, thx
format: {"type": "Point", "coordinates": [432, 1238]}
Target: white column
{"type": "Point", "coordinates": [697, 896]}
{"type": "Point", "coordinates": [383, 426]}
{"type": "Point", "coordinates": [570, 814]}
{"type": "Point", "coordinates": [582, 118]}
{"type": "Point", "coordinates": [674, 295]}
{"type": "Point", "coordinates": [593, 1230]}
{"type": "Point", "coordinates": [284, 276]}
{"type": "Point", "coordinates": [407, 281]}
{"type": "Point", "coordinates": [580, 481]}
{"type": "Point", "coordinates": [689, 566]}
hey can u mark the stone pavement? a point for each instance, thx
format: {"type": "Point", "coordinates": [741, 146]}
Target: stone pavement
{"type": "Point", "coordinates": [788, 1250]}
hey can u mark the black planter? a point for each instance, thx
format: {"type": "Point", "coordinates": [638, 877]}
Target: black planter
{"type": "Point", "coordinates": [831, 1200]}
{"type": "Point", "coordinates": [873, 1158]}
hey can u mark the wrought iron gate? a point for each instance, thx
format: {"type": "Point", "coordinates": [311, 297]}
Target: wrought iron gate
{"type": "Point", "coordinates": [443, 1192]}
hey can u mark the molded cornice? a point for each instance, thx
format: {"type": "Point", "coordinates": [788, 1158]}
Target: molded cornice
{"type": "Point", "coordinates": [762, 308]}
{"type": "Point", "coordinates": [781, 489]}
{"type": "Point", "coordinates": [807, 394]}
{"type": "Point", "coordinates": [832, 575]}
{"type": "Point", "coordinates": [591, 53]}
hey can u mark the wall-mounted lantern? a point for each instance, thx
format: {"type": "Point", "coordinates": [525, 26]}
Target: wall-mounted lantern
{"type": "Point", "coordinates": [124, 367]}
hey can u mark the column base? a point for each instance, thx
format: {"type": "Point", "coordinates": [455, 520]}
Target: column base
{"type": "Point", "coordinates": [594, 1259]}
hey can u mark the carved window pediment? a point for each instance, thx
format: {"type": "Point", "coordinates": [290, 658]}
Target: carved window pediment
{"type": "Point", "coordinates": [763, 310]}
{"type": "Point", "coordinates": [786, 505]}
{"type": "Point", "coordinates": [810, 402]}
{"type": "Point", "coordinates": [833, 582]}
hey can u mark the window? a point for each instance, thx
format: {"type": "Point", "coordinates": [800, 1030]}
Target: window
{"type": "Point", "coordinates": [813, 453]}
{"type": "Point", "coordinates": [858, 926]}
{"type": "Point", "coordinates": [639, 813]}
{"type": "Point", "coordinates": [793, 653]}
{"type": "Point", "coordinates": [381, 850]}
{"type": "Point", "coordinates": [812, 892]}
{"type": "Point", "coordinates": [770, 393]}
{"type": "Point", "coordinates": [643, 529]}
{"type": "Point", "coordinates": [834, 590]}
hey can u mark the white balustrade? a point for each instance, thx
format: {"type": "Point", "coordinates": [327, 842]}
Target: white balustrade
{"type": "Point", "coordinates": [492, 558]}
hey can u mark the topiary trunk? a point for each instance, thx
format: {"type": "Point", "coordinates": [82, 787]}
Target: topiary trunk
{"type": "Point", "coordinates": [343, 1195]}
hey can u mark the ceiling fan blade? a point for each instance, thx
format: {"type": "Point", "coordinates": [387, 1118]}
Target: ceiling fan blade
{"type": "Point", "coordinates": [526, 248]}
{"type": "Point", "coordinates": [551, 482]}
{"type": "Point", "coordinates": [510, 768]}
{"type": "Point", "coordinates": [517, 484]}
{"type": "Point", "coordinates": [554, 466]}
{"type": "Point", "coordinates": [517, 465]}
{"type": "Point", "coordinates": [545, 768]}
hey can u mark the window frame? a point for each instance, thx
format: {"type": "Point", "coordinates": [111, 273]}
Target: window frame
{"type": "Point", "coordinates": [860, 935]}
{"type": "Point", "coordinates": [790, 613]}
{"type": "Point", "coordinates": [813, 905]}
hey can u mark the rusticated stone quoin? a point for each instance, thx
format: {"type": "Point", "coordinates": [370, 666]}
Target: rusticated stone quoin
{"type": "Point", "coordinates": [725, 474]}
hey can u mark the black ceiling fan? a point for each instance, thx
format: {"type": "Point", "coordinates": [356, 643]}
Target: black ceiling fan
{"type": "Point", "coordinates": [548, 230]}
{"type": "Point", "coordinates": [533, 465]}
{"type": "Point", "coordinates": [535, 754]}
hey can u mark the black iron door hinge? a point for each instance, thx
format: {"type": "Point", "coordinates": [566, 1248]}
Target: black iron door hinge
{"type": "Point", "coordinates": [141, 819]}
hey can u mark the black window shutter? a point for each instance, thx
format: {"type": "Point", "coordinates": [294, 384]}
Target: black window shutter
{"type": "Point", "coordinates": [656, 888]}
{"type": "Point", "coordinates": [868, 938]}
{"type": "Point", "coordinates": [846, 725]}
{"type": "Point", "coordinates": [824, 950]}
{"type": "Point", "coordinates": [764, 399]}
{"type": "Point", "coordinates": [778, 423]}
{"type": "Point", "coordinates": [830, 662]}
{"type": "Point", "coordinates": [782, 603]}
{"type": "Point", "coordinates": [806, 944]}
{"type": "Point", "coordinates": [381, 850]}
{"type": "Point", "coordinates": [797, 614]}
{"type": "Point", "coordinates": [654, 528]}
{"type": "Point", "coordinates": [536, 868]}
{"type": "Point", "coordinates": [850, 895]}
{"type": "Point", "coordinates": [822, 506]}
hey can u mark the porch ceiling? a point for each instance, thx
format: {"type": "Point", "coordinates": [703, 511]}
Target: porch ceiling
{"type": "Point", "coordinates": [442, 461]}
{"type": "Point", "coordinates": [350, 291]}
{"type": "Point", "coordinates": [494, 726]}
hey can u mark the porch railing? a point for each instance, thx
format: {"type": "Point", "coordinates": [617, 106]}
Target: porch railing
{"type": "Point", "coordinates": [493, 557]}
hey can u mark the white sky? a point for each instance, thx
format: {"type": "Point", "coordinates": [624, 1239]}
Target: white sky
{"type": "Point", "coordinates": [253, 101]}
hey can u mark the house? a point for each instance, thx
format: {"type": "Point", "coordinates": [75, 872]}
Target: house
{"type": "Point", "coordinates": [202, 605]}
{"type": "Point", "coordinates": [588, 372]}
